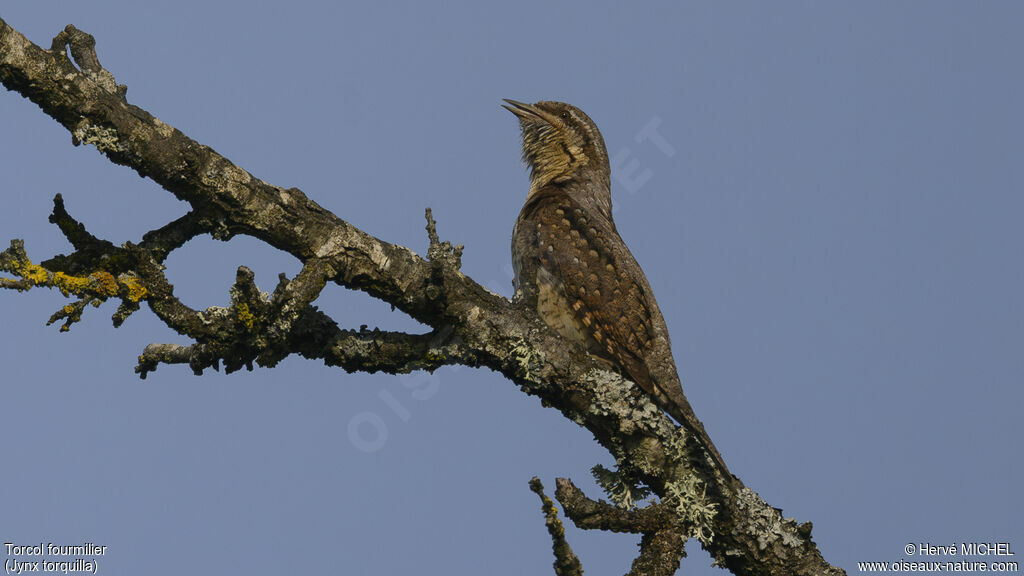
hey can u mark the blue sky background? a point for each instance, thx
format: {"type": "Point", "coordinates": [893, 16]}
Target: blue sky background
{"type": "Point", "coordinates": [830, 218]}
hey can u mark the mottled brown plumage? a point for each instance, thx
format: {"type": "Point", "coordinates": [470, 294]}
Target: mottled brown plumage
{"type": "Point", "coordinates": [572, 266]}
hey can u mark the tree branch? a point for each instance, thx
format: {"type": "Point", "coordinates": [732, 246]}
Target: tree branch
{"type": "Point", "coordinates": [470, 325]}
{"type": "Point", "coordinates": [566, 561]}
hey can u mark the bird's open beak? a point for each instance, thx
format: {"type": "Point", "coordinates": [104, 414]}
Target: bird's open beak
{"type": "Point", "coordinates": [525, 112]}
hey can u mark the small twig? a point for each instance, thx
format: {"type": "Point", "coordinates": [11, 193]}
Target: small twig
{"type": "Point", "coordinates": [442, 253]}
{"type": "Point", "coordinates": [72, 229]}
{"type": "Point", "coordinates": [83, 50]}
{"type": "Point", "coordinates": [431, 228]}
{"type": "Point", "coordinates": [173, 235]}
{"type": "Point", "coordinates": [82, 45]}
{"type": "Point", "coordinates": [663, 543]}
{"type": "Point", "coordinates": [566, 561]}
{"type": "Point", "coordinates": [71, 313]}
{"type": "Point", "coordinates": [20, 284]}
{"type": "Point", "coordinates": [591, 514]}
{"type": "Point", "coordinates": [156, 354]}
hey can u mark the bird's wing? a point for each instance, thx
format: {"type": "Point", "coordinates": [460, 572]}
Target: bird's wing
{"type": "Point", "coordinates": [595, 268]}
{"type": "Point", "coordinates": [608, 296]}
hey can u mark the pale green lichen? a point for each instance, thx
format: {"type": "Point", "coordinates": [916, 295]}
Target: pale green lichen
{"type": "Point", "coordinates": [105, 139]}
{"type": "Point", "coordinates": [214, 314]}
{"type": "Point", "coordinates": [766, 522]}
{"type": "Point", "coordinates": [623, 491]}
{"type": "Point", "coordinates": [647, 455]}
{"type": "Point", "coordinates": [613, 396]}
{"type": "Point", "coordinates": [526, 358]}
{"type": "Point", "coordinates": [688, 495]}
{"type": "Point", "coordinates": [693, 507]}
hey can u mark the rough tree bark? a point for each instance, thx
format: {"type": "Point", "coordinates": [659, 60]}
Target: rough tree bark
{"type": "Point", "coordinates": [470, 325]}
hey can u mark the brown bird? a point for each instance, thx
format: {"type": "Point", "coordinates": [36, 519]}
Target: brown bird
{"type": "Point", "coordinates": [572, 266]}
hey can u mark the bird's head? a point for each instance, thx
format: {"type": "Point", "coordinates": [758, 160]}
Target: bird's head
{"type": "Point", "coordinates": [560, 144]}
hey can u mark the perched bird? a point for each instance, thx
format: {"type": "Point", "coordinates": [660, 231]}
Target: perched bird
{"type": "Point", "coordinates": [573, 268]}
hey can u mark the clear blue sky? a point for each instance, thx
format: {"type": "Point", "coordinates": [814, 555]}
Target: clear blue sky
{"type": "Point", "coordinates": [830, 217]}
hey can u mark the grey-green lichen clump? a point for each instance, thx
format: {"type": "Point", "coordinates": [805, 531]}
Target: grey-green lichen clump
{"type": "Point", "coordinates": [527, 359]}
{"type": "Point", "coordinates": [688, 494]}
{"type": "Point", "coordinates": [612, 396]}
{"type": "Point", "coordinates": [623, 491]}
{"type": "Point", "coordinates": [766, 522]}
{"type": "Point", "coordinates": [105, 139]}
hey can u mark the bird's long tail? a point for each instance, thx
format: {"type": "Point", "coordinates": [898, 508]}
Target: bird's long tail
{"type": "Point", "coordinates": [679, 408]}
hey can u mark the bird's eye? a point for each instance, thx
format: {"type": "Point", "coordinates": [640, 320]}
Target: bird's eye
{"type": "Point", "coordinates": [565, 115]}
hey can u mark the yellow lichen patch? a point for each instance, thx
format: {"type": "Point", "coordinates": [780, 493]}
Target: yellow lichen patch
{"type": "Point", "coordinates": [37, 274]}
{"type": "Point", "coordinates": [34, 273]}
{"type": "Point", "coordinates": [104, 283]}
{"type": "Point", "coordinates": [434, 357]}
{"type": "Point", "coordinates": [245, 316]}
{"type": "Point", "coordinates": [99, 285]}
{"type": "Point", "coordinates": [136, 291]}
{"type": "Point", "coordinates": [68, 284]}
